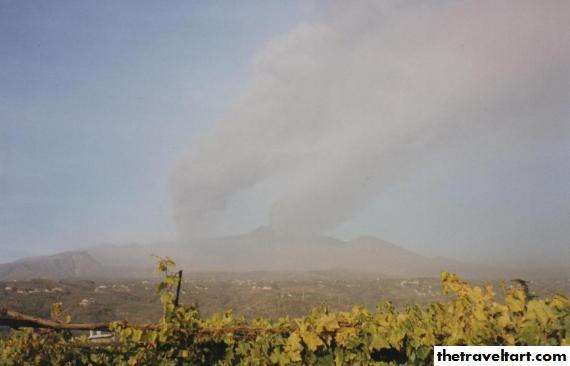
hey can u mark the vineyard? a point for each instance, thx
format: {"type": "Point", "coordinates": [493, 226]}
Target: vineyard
{"type": "Point", "coordinates": [471, 316]}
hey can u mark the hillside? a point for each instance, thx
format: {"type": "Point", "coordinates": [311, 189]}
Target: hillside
{"type": "Point", "coordinates": [265, 250]}
{"type": "Point", "coordinates": [262, 250]}
{"type": "Point", "coordinates": [62, 265]}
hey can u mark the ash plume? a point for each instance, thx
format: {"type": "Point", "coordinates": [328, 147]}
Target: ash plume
{"type": "Point", "coordinates": [337, 109]}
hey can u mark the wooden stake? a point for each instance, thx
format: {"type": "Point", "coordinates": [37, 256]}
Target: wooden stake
{"type": "Point", "coordinates": [176, 300]}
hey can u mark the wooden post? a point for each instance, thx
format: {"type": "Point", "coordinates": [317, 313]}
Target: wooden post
{"type": "Point", "coordinates": [177, 299]}
{"type": "Point", "coordinates": [14, 319]}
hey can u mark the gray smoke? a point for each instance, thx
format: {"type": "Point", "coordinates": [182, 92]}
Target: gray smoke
{"type": "Point", "coordinates": [338, 109]}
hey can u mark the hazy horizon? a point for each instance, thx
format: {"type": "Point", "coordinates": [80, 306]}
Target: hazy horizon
{"type": "Point", "coordinates": [442, 127]}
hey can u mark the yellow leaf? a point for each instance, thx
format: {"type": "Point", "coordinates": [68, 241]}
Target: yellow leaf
{"type": "Point", "coordinates": [137, 334]}
{"type": "Point", "coordinates": [293, 347]}
{"type": "Point", "coordinates": [344, 335]}
{"type": "Point", "coordinates": [378, 342]}
{"type": "Point", "coordinates": [509, 339]}
{"type": "Point", "coordinates": [311, 340]}
{"type": "Point", "coordinates": [327, 323]}
{"type": "Point", "coordinates": [516, 300]}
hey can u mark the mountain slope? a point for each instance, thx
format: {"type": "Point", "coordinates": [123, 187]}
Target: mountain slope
{"type": "Point", "coordinates": [266, 250]}
{"type": "Point", "coordinates": [261, 250]}
{"type": "Point", "coordinates": [62, 265]}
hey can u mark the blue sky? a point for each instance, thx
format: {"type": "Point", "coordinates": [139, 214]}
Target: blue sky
{"type": "Point", "coordinates": [101, 101]}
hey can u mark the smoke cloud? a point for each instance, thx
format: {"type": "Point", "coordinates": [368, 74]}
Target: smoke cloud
{"type": "Point", "coordinates": [338, 109]}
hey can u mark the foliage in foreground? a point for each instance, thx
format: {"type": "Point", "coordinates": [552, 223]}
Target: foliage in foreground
{"type": "Point", "coordinates": [358, 337]}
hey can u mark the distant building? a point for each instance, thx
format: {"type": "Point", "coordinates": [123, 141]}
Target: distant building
{"type": "Point", "coordinates": [99, 335]}
{"type": "Point", "coordinates": [84, 302]}
{"type": "Point", "coordinates": [409, 283]}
